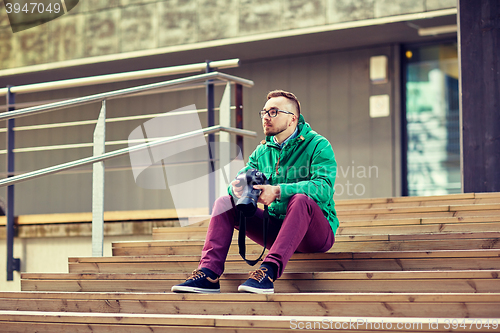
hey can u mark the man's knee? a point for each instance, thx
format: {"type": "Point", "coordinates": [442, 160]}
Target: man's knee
{"type": "Point", "coordinates": [222, 204]}
{"type": "Point", "coordinates": [299, 198]}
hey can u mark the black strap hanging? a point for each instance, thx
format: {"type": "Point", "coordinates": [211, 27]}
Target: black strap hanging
{"type": "Point", "coordinates": [242, 234]}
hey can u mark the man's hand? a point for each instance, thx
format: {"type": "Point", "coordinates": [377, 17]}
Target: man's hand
{"type": "Point", "coordinates": [237, 190]}
{"type": "Point", "coordinates": [269, 193]}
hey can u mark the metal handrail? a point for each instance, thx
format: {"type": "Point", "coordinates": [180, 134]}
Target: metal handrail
{"type": "Point", "coordinates": [120, 152]}
{"type": "Point", "coordinates": [210, 78]}
{"type": "Point", "coordinates": [123, 92]}
{"type": "Point", "coordinates": [119, 77]}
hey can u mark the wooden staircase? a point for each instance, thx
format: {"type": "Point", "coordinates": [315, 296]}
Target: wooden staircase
{"type": "Point", "coordinates": [420, 264]}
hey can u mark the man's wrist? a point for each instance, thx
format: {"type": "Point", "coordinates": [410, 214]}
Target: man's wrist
{"type": "Point", "coordinates": [278, 192]}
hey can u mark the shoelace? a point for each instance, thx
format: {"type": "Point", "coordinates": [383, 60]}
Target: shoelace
{"type": "Point", "coordinates": [259, 274]}
{"type": "Point", "coordinates": [197, 274]}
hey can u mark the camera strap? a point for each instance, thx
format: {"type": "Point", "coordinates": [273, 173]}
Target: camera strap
{"type": "Point", "coordinates": [242, 234]}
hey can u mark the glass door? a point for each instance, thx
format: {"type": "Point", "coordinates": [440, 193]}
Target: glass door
{"type": "Point", "coordinates": [432, 120]}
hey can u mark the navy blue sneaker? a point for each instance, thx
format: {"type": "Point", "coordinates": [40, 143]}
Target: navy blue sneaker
{"type": "Point", "coordinates": [259, 282]}
{"type": "Point", "coordinates": [202, 281]}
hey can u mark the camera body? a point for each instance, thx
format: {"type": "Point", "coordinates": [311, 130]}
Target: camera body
{"type": "Point", "coordinates": [247, 203]}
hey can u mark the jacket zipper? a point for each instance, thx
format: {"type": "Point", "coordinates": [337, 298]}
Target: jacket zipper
{"type": "Point", "coordinates": [277, 165]}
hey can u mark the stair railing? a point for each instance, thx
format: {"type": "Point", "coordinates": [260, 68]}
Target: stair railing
{"type": "Point", "coordinates": [209, 79]}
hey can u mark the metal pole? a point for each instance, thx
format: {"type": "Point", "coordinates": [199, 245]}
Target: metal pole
{"type": "Point", "coordinates": [211, 140]}
{"type": "Point", "coordinates": [224, 140]}
{"type": "Point", "coordinates": [98, 185]}
{"type": "Point", "coordinates": [238, 92]}
{"type": "Point", "coordinates": [13, 264]}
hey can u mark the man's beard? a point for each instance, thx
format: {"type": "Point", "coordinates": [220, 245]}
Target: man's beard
{"type": "Point", "coordinates": [271, 131]}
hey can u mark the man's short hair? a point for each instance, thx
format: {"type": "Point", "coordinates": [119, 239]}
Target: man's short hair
{"type": "Point", "coordinates": [288, 95]}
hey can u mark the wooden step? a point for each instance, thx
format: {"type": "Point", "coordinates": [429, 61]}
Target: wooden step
{"type": "Point", "coordinates": [406, 227]}
{"type": "Point", "coordinates": [466, 305]}
{"type": "Point", "coordinates": [54, 322]}
{"type": "Point", "coordinates": [347, 205]}
{"type": "Point", "coordinates": [467, 281]}
{"type": "Point", "coordinates": [421, 229]}
{"type": "Point", "coordinates": [425, 225]}
{"type": "Point", "coordinates": [419, 209]}
{"type": "Point", "coordinates": [423, 215]}
{"type": "Point", "coordinates": [353, 243]}
{"type": "Point", "coordinates": [301, 262]}
{"type": "Point", "coordinates": [459, 196]}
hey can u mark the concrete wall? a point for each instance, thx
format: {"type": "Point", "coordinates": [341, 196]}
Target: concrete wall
{"type": "Point", "coordinates": [98, 27]}
{"type": "Point", "coordinates": [50, 255]}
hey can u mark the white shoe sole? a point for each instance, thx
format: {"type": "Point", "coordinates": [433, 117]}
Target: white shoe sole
{"type": "Point", "coordinates": [185, 289]}
{"type": "Point", "coordinates": [253, 290]}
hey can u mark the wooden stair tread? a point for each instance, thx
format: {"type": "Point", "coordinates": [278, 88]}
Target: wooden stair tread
{"type": "Point", "coordinates": [341, 206]}
{"type": "Point", "coordinates": [265, 323]}
{"type": "Point", "coordinates": [430, 242]}
{"type": "Point", "coordinates": [489, 253]}
{"type": "Point", "coordinates": [420, 209]}
{"type": "Point", "coordinates": [338, 238]}
{"type": "Point", "coordinates": [247, 297]}
{"type": "Point", "coordinates": [373, 275]}
{"type": "Point", "coordinates": [473, 305]}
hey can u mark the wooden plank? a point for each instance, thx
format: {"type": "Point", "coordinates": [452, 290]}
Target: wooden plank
{"type": "Point", "coordinates": [487, 195]}
{"type": "Point", "coordinates": [305, 256]}
{"type": "Point", "coordinates": [493, 236]}
{"type": "Point", "coordinates": [387, 205]}
{"type": "Point", "coordinates": [397, 210]}
{"type": "Point", "coordinates": [376, 245]}
{"type": "Point", "coordinates": [413, 245]}
{"type": "Point", "coordinates": [247, 297]}
{"type": "Point", "coordinates": [149, 322]}
{"type": "Point", "coordinates": [406, 199]}
{"type": "Point", "coordinates": [491, 253]}
{"type": "Point", "coordinates": [411, 230]}
{"type": "Point", "coordinates": [238, 265]}
{"type": "Point", "coordinates": [461, 219]}
{"type": "Point", "coordinates": [372, 217]}
{"type": "Point", "coordinates": [326, 307]}
{"type": "Point", "coordinates": [477, 207]}
{"type": "Point", "coordinates": [374, 275]}
{"type": "Point", "coordinates": [282, 285]}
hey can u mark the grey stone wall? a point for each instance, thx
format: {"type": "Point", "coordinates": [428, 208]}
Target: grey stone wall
{"type": "Point", "coordinates": [101, 27]}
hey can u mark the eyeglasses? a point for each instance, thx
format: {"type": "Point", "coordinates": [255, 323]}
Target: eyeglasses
{"type": "Point", "coordinates": [272, 113]}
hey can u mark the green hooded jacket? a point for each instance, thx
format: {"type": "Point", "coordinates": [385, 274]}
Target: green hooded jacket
{"type": "Point", "coordinates": [306, 165]}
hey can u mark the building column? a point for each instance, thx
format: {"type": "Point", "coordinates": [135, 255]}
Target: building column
{"type": "Point", "coordinates": [479, 56]}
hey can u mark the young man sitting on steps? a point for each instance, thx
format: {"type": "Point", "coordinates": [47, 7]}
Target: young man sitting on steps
{"type": "Point", "coordinates": [301, 168]}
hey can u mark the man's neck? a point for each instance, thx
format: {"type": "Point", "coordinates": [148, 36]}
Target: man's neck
{"type": "Point", "coordinates": [283, 136]}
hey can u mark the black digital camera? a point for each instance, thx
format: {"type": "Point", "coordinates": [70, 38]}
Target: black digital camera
{"type": "Point", "coordinates": [247, 204]}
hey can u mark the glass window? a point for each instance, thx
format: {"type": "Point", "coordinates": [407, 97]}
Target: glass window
{"type": "Point", "coordinates": [432, 120]}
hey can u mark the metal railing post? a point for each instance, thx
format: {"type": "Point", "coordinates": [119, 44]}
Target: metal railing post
{"type": "Point", "coordinates": [13, 264]}
{"type": "Point", "coordinates": [238, 99]}
{"type": "Point", "coordinates": [211, 140]}
{"type": "Point", "coordinates": [224, 140]}
{"type": "Point", "coordinates": [98, 185]}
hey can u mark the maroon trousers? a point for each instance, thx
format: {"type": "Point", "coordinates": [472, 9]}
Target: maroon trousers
{"type": "Point", "coordinates": [304, 229]}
